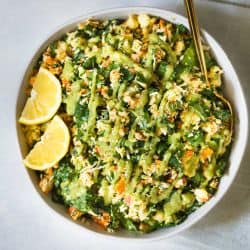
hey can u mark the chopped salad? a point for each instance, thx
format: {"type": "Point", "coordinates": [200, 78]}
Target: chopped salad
{"type": "Point", "coordinates": [149, 138]}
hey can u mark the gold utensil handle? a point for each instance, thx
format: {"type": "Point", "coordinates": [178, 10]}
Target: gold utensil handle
{"type": "Point", "coordinates": [194, 26]}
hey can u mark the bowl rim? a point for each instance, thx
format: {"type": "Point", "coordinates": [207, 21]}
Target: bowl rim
{"type": "Point", "coordinates": [150, 11]}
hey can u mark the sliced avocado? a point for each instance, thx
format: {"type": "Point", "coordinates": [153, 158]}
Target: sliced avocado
{"type": "Point", "coordinates": [190, 166]}
{"type": "Point", "coordinates": [188, 199]}
{"type": "Point", "coordinates": [174, 205]}
{"type": "Point", "coordinates": [73, 97]}
{"type": "Point", "coordinates": [68, 70]}
{"type": "Point", "coordinates": [190, 57]}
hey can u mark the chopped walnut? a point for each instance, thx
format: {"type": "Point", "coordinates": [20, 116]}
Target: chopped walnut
{"type": "Point", "coordinates": [140, 136]}
{"type": "Point", "coordinates": [115, 76]}
{"type": "Point", "coordinates": [74, 213]}
{"type": "Point", "coordinates": [46, 183]}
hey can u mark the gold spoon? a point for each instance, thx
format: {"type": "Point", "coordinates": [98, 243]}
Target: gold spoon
{"type": "Point", "coordinates": [194, 26]}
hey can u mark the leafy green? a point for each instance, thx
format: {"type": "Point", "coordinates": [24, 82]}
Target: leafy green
{"type": "Point", "coordinates": [144, 121]}
{"type": "Point", "coordinates": [223, 115]}
{"type": "Point", "coordinates": [134, 158]}
{"type": "Point", "coordinates": [209, 94]}
{"type": "Point", "coordinates": [197, 180]}
{"type": "Point", "coordinates": [190, 57]}
{"type": "Point", "coordinates": [90, 63]}
{"type": "Point", "coordinates": [140, 78]}
{"type": "Point", "coordinates": [115, 216]}
{"type": "Point", "coordinates": [200, 109]}
{"type": "Point", "coordinates": [209, 60]}
{"type": "Point", "coordinates": [89, 31]}
{"type": "Point", "coordinates": [221, 167]}
{"type": "Point", "coordinates": [86, 202]}
{"type": "Point", "coordinates": [126, 74]}
{"type": "Point", "coordinates": [175, 162]}
{"type": "Point", "coordinates": [78, 56]}
{"type": "Point", "coordinates": [161, 69]}
{"type": "Point", "coordinates": [161, 148]}
{"type": "Point", "coordinates": [181, 29]}
{"type": "Point", "coordinates": [81, 113]}
{"type": "Point", "coordinates": [196, 138]}
{"type": "Point", "coordinates": [178, 70]}
{"type": "Point", "coordinates": [117, 219]}
{"type": "Point", "coordinates": [53, 47]}
{"type": "Point", "coordinates": [92, 159]}
{"type": "Point", "coordinates": [129, 224]}
{"type": "Point", "coordinates": [64, 172]}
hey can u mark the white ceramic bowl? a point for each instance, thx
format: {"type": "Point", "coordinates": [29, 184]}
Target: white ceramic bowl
{"type": "Point", "coordinates": [232, 90]}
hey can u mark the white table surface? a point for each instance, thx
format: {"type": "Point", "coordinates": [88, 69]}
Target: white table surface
{"type": "Point", "coordinates": [25, 221]}
{"type": "Point", "coordinates": [236, 2]}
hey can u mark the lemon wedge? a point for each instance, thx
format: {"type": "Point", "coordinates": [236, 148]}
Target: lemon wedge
{"type": "Point", "coordinates": [52, 147]}
{"type": "Point", "coordinates": [44, 101]}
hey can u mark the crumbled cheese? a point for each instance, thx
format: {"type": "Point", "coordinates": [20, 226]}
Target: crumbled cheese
{"type": "Point", "coordinates": [78, 161]}
{"type": "Point", "coordinates": [100, 125]}
{"type": "Point", "coordinates": [74, 40]}
{"type": "Point", "coordinates": [137, 209]}
{"type": "Point", "coordinates": [153, 98]}
{"type": "Point", "coordinates": [132, 22]}
{"type": "Point", "coordinates": [86, 178]}
{"type": "Point", "coordinates": [137, 45]}
{"type": "Point", "coordinates": [163, 185]}
{"type": "Point", "coordinates": [120, 151]}
{"type": "Point", "coordinates": [139, 136]}
{"type": "Point", "coordinates": [159, 216]}
{"type": "Point", "coordinates": [144, 20]}
{"type": "Point", "coordinates": [201, 195]}
{"type": "Point", "coordinates": [154, 110]}
{"type": "Point", "coordinates": [179, 47]}
{"type": "Point", "coordinates": [121, 132]}
{"type": "Point", "coordinates": [132, 102]}
{"type": "Point", "coordinates": [112, 114]}
{"type": "Point", "coordinates": [147, 179]}
{"type": "Point", "coordinates": [174, 94]}
{"type": "Point", "coordinates": [210, 127]}
{"type": "Point", "coordinates": [123, 208]}
{"type": "Point", "coordinates": [180, 183]}
{"type": "Point", "coordinates": [194, 83]}
{"type": "Point", "coordinates": [168, 31]}
{"type": "Point", "coordinates": [114, 76]}
{"type": "Point", "coordinates": [61, 51]}
{"type": "Point", "coordinates": [124, 116]}
{"type": "Point", "coordinates": [190, 118]}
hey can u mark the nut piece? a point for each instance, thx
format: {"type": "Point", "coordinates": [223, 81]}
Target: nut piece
{"type": "Point", "coordinates": [46, 183]}
{"type": "Point", "coordinates": [139, 136]}
{"type": "Point", "coordinates": [102, 219]}
{"type": "Point", "coordinates": [74, 213]}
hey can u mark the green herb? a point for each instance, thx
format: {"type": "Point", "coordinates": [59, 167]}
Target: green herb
{"type": "Point", "coordinates": [90, 63]}
{"type": "Point", "coordinates": [81, 113]}
{"type": "Point", "coordinates": [53, 47]}
{"type": "Point", "coordinates": [63, 172]}
{"type": "Point", "coordinates": [190, 57]}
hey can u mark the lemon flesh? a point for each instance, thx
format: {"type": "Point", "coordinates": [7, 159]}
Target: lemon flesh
{"type": "Point", "coordinates": [52, 148]}
{"type": "Point", "coordinates": [44, 101]}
